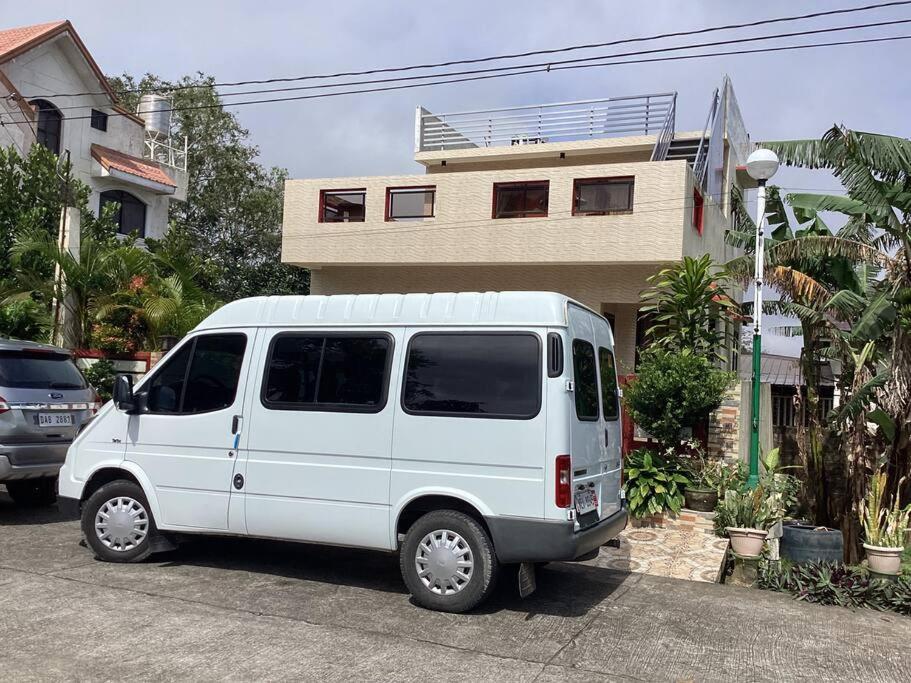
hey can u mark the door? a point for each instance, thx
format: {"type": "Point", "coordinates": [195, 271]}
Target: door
{"type": "Point", "coordinates": [319, 439]}
{"type": "Point", "coordinates": [183, 440]}
{"type": "Point", "coordinates": [586, 422]}
{"type": "Point", "coordinates": [611, 429]}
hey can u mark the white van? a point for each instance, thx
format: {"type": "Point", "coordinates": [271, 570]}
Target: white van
{"type": "Point", "coordinates": [465, 431]}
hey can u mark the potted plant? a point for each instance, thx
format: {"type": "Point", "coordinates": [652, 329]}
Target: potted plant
{"type": "Point", "coordinates": [745, 516]}
{"type": "Point", "coordinates": [884, 527]}
{"type": "Point", "coordinates": [705, 475]}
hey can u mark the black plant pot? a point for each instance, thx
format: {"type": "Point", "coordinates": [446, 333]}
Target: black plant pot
{"type": "Point", "coordinates": [807, 543]}
{"type": "Point", "coordinates": [701, 500]}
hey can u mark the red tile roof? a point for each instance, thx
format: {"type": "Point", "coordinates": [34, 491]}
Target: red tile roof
{"type": "Point", "coordinates": [13, 38]}
{"type": "Point", "coordinates": [142, 168]}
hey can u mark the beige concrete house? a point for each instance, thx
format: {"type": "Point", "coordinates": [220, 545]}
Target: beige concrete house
{"type": "Point", "coordinates": [585, 198]}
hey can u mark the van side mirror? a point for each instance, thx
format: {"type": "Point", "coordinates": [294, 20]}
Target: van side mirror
{"type": "Point", "coordinates": [123, 394]}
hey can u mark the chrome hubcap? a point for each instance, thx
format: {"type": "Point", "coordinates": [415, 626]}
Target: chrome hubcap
{"type": "Point", "coordinates": [121, 523]}
{"type": "Point", "coordinates": [444, 562]}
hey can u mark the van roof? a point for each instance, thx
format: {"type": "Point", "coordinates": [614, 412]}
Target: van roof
{"type": "Point", "coordinates": [445, 308]}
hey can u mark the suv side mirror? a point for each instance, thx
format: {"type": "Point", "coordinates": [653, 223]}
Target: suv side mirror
{"type": "Point", "coordinates": [123, 393]}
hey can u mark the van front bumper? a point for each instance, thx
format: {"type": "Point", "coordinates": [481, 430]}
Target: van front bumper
{"type": "Point", "coordinates": [520, 539]}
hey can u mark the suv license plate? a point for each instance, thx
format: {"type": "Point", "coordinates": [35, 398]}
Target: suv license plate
{"type": "Point", "coordinates": [55, 420]}
{"type": "Point", "coordinates": [586, 501]}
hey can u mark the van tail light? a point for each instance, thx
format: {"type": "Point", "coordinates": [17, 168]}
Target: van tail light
{"type": "Point", "coordinates": [563, 494]}
{"type": "Point", "coordinates": [4, 406]}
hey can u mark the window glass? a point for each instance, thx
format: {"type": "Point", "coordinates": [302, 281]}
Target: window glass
{"type": "Point", "coordinates": [601, 196]}
{"type": "Point", "coordinates": [520, 200]}
{"type": "Point", "coordinates": [47, 132]}
{"type": "Point", "coordinates": [351, 371]}
{"type": "Point", "coordinates": [99, 120]}
{"type": "Point", "coordinates": [343, 207]}
{"type": "Point", "coordinates": [497, 375]}
{"type": "Point", "coordinates": [25, 370]}
{"type": "Point", "coordinates": [214, 372]}
{"type": "Point", "coordinates": [129, 212]}
{"type": "Point", "coordinates": [165, 389]}
{"type": "Point", "coordinates": [411, 203]}
{"type": "Point", "coordinates": [585, 377]}
{"type": "Point", "coordinates": [609, 404]}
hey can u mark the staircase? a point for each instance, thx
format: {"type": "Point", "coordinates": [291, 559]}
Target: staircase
{"type": "Point", "coordinates": [684, 149]}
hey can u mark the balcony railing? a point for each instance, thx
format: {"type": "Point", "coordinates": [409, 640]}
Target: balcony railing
{"type": "Point", "coordinates": [558, 122]}
{"type": "Point", "coordinates": [166, 150]}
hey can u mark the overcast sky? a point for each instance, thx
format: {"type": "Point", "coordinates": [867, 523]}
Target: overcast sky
{"type": "Point", "coordinates": [781, 95]}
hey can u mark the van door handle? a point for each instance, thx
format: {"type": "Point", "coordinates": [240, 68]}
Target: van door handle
{"type": "Point", "coordinates": [606, 438]}
{"type": "Point", "coordinates": [235, 424]}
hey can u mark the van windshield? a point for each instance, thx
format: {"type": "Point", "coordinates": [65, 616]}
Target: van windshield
{"type": "Point", "coordinates": [39, 370]}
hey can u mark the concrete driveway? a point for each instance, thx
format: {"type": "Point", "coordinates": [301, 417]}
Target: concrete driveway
{"type": "Point", "coordinates": [243, 609]}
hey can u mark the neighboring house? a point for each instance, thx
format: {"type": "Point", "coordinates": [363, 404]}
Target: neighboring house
{"type": "Point", "coordinates": [43, 70]}
{"type": "Point", "coordinates": [584, 198]}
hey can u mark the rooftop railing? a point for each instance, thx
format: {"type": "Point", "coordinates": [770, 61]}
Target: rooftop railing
{"type": "Point", "coordinates": [557, 122]}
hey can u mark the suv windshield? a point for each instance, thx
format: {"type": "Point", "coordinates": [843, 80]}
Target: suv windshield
{"type": "Point", "coordinates": [29, 370]}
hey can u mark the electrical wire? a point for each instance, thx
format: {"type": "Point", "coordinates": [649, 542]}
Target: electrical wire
{"type": "Point", "coordinates": [553, 65]}
{"type": "Point", "coordinates": [516, 73]}
{"type": "Point", "coordinates": [518, 55]}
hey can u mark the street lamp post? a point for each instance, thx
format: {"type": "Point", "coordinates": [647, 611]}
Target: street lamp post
{"type": "Point", "coordinates": [761, 165]}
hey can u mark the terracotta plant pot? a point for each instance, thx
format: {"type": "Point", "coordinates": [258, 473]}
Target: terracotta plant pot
{"type": "Point", "coordinates": [747, 542]}
{"type": "Point", "coordinates": [884, 560]}
{"type": "Point", "coordinates": [701, 500]}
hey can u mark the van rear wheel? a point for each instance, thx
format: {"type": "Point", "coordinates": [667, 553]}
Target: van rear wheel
{"type": "Point", "coordinates": [448, 562]}
{"type": "Point", "coordinates": [117, 522]}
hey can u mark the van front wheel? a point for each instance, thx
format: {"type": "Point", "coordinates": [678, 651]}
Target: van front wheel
{"type": "Point", "coordinates": [448, 562]}
{"type": "Point", "coordinates": [117, 523]}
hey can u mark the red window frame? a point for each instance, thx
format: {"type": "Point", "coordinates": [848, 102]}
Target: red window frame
{"type": "Point", "coordinates": [322, 203]}
{"type": "Point", "coordinates": [545, 184]}
{"type": "Point", "coordinates": [698, 210]}
{"type": "Point", "coordinates": [426, 188]}
{"type": "Point", "coordinates": [609, 180]}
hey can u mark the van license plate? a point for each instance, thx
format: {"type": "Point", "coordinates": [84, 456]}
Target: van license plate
{"type": "Point", "coordinates": [586, 501]}
{"type": "Point", "coordinates": [55, 420]}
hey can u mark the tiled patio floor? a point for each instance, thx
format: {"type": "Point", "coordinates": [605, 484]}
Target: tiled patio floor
{"type": "Point", "coordinates": [680, 551]}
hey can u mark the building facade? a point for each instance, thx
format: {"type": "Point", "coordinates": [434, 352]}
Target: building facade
{"type": "Point", "coordinates": [53, 93]}
{"type": "Point", "coordinates": [584, 198]}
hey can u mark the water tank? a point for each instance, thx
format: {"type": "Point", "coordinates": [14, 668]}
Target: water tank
{"type": "Point", "coordinates": [156, 111]}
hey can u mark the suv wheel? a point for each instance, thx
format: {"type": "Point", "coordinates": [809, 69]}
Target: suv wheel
{"type": "Point", "coordinates": [117, 523]}
{"type": "Point", "coordinates": [448, 562]}
{"type": "Point", "coordinates": [33, 491]}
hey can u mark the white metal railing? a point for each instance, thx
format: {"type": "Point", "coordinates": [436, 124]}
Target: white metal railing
{"type": "Point", "coordinates": [163, 150]}
{"type": "Point", "coordinates": [561, 121]}
{"type": "Point", "coordinates": [666, 136]}
{"type": "Point", "coordinates": [699, 163]}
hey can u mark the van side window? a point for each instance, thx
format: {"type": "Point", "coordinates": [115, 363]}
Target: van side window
{"type": "Point", "coordinates": [586, 381]}
{"type": "Point", "coordinates": [327, 372]}
{"type": "Point", "coordinates": [201, 377]}
{"type": "Point", "coordinates": [609, 404]}
{"type": "Point", "coordinates": [473, 375]}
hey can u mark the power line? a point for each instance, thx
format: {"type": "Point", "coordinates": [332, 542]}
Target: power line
{"type": "Point", "coordinates": [552, 65]}
{"type": "Point", "coordinates": [518, 73]}
{"type": "Point", "coordinates": [518, 55]}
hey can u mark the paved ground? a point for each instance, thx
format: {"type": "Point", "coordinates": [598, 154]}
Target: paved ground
{"type": "Point", "coordinates": [248, 610]}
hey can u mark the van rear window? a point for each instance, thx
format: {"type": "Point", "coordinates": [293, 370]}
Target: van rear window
{"type": "Point", "coordinates": [609, 403]}
{"type": "Point", "coordinates": [473, 375]}
{"type": "Point", "coordinates": [586, 380]}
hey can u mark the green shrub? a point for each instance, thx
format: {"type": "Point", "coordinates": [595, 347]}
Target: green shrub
{"type": "Point", "coordinates": [25, 319]}
{"type": "Point", "coordinates": [100, 375]}
{"type": "Point", "coordinates": [653, 484]}
{"type": "Point", "coordinates": [834, 583]}
{"type": "Point", "coordinates": [673, 391]}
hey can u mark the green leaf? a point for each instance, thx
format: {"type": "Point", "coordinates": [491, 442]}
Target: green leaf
{"type": "Point", "coordinates": [882, 419]}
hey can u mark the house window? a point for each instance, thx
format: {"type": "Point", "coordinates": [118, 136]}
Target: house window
{"type": "Point", "coordinates": [99, 120]}
{"type": "Point", "coordinates": [129, 214]}
{"type": "Point", "coordinates": [410, 203]}
{"type": "Point", "coordinates": [698, 207]}
{"type": "Point", "coordinates": [520, 200]}
{"type": "Point", "coordinates": [602, 196]}
{"type": "Point", "coordinates": [342, 206]}
{"type": "Point", "coordinates": [49, 123]}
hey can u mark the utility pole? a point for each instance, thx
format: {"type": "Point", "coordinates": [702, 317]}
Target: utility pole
{"type": "Point", "coordinates": [761, 165]}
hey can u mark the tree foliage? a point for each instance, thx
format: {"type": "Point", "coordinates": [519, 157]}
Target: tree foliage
{"type": "Point", "coordinates": [232, 217]}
